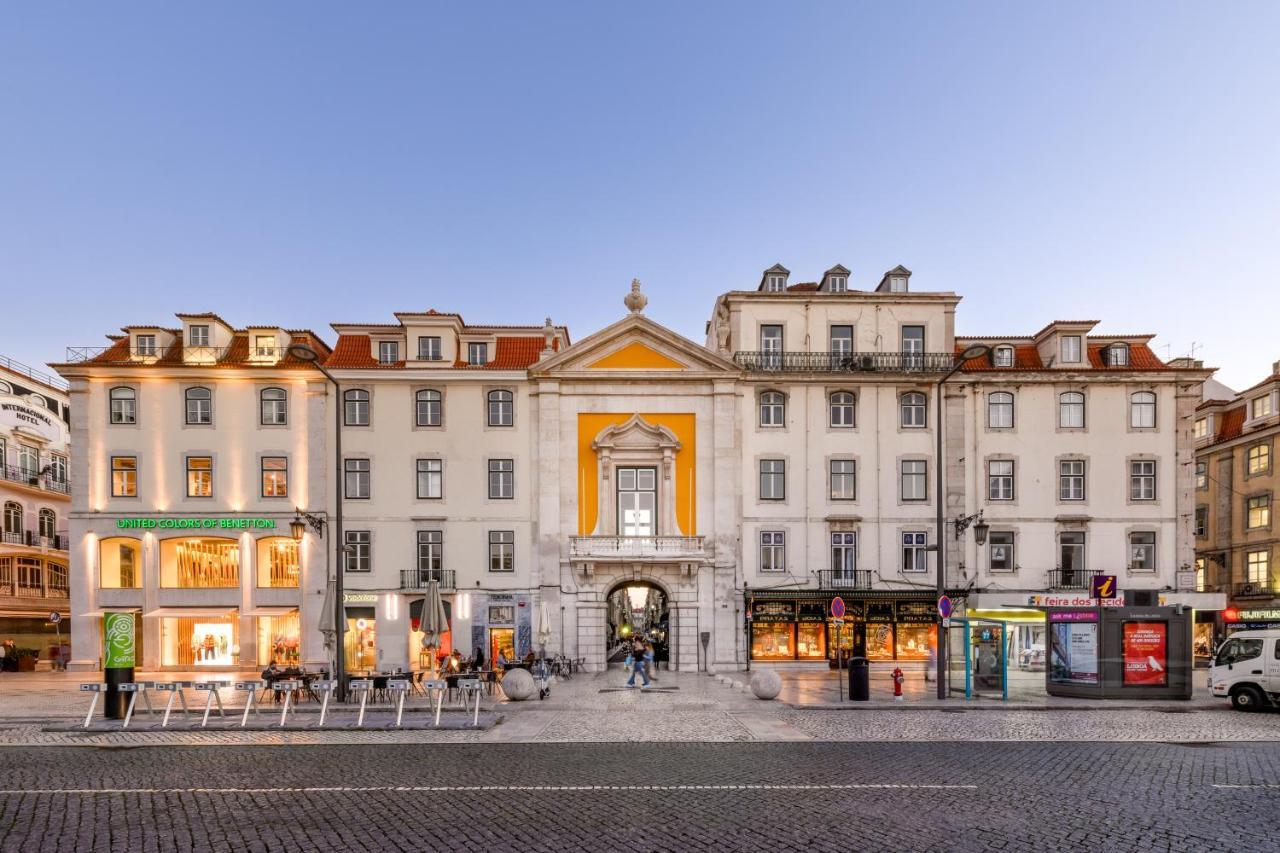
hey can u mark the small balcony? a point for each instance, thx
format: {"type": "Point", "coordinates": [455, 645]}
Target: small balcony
{"type": "Point", "coordinates": [845, 362]}
{"type": "Point", "coordinates": [58, 542]}
{"type": "Point", "coordinates": [419, 578]}
{"type": "Point", "coordinates": [1256, 589]}
{"type": "Point", "coordinates": [844, 578]}
{"type": "Point", "coordinates": [35, 479]}
{"type": "Point", "coordinates": [650, 548]}
{"type": "Point", "coordinates": [1072, 579]}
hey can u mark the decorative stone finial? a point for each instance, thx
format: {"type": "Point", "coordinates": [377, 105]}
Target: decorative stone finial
{"type": "Point", "coordinates": [548, 338]}
{"type": "Point", "coordinates": [635, 300]}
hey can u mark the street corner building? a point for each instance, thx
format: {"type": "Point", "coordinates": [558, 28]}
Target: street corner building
{"type": "Point", "coordinates": [569, 497]}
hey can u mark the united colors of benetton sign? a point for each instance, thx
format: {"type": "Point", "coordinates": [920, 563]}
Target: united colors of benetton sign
{"type": "Point", "coordinates": [196, 523]}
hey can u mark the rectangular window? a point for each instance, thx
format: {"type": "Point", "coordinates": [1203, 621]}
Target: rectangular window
{"type": "Point", "coordinates": [915, 480]}
{"type": "Point", "coordinates": [430, 478]}
{"type": "Point", "coordinates": [915, 555]}
{"type": "Point", "coordinates": [359, 551]}
{"type": "Point", "coordinates": [198, 336]}
{"type": "Point", "coordinates": [1201, 428]}
{"type": "Point", "coordinates": [502, 551]}
{"type": "Point", "coordinates": [1142, 480]}
{"type": "Point", "coordinates": [477, 354]}
{"type": "Point", "coordinates": [1258, 459]}
{"type": "Point", "coordinates": [430, 554]}
{"type": "Point", "coordinates": [1202, 521]}
{"type": "Point", "coordinates": [1071, 480]}
{"type": "Point", "coordinates": [1202, 475]}
{"type": "Point", "coordinates": [1071, 557]}
{"type": "Point", "coordinates": [199, 476]}
{"type": "Point", "coordinates": [912, 347]}
{"type": "Point", "coordinates": [57, 468]}
{"type": "Point", "coordinates": [1000, 544]}
{"type": "Point", "coordinates": [841, 340]}
{"type": "Point", "coordinates": [429, 348]}
{"type": "Point", "coordinates": [1257, 511]}
{"type": "Point", "coordinates": [773, 477]}
{"type": "Point", "coordinates": [844, 556]}
{"type": "Point", "coordinates": [1070, 349]}
{"type": "Point", "coordinates": [275, 477]}
{"type": "Point", "coordinates": [124, 476]}
{"type": "Point", "coordinates": [844, 480]}
{"type": "Point", "coordinates": [1142, 551]}
{"type": "Point", "coordinates": [358, 485]}
{"type": "Point", "coordinates": [1261, 407]}
{"type": "Point", "coordinates": [388, 352]}
{"type": "Point", "coordinates": [771, 346]}
{"type": "Point", "coordinates": [502, 479]}
{"type": "Point", "coordinates": [1000, 480]}
{"type": "Point", "coordinates": [264, 346]}
{"type": "Point", "coordinates": [773, 551]}
{"type": "Point", "coordinates": [1258, 567]}
{"type": "Point", "coordinates": [146, 345]}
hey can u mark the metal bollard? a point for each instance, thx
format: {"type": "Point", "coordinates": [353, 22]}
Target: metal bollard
{"type": "Point", "coordinates": [470, 686]}
{"type": "Point", "coordinates": [135, 688]}
{"type": "Point", "coordinates": [364, 686]}
{"type": "Point", "coordinates": [211, 691]}
{"type": "Point", "coordinates": [438, 686]}
{"type": "Point", "coordinates": [328, 688]}
{"type": "Point", "coordinates": [174, 689]}
{"type": "Point", "coordinates": [287, 688]}
{"type": "Point", "coordinates": [97, 690]}
{"type": "Point", "coordinates": [401, 686]}
{"type": "Point", "coordinates": [252, 688]}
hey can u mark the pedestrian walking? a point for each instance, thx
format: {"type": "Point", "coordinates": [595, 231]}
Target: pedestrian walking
{"type": "Point", "coordinates": [636, 660]}
{"type": "Point", "coordinates": [650, 662]}
{"type": "Point", "coordinates": [4, 657]}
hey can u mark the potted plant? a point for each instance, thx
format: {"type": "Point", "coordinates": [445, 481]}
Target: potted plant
{"type": "Point", "coordinates": [27, 659]}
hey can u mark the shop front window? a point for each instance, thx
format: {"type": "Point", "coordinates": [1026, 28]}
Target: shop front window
{"type": "Point", "coordinates": [879, 641]}
{"type": "Point", "coordinates": [915, 641]}
{"type": "Point", "coordinates": [773, 641]}
{"type": "Point", "coordinates": [502, 641]}
{"type": "Point", "coordinates": [811, 640]}
{"type": "Point", "coordinates": [199, 641]}
{"type": "Point", "coordinates": [120, 563]}
{"type": "Point", "coordinates": [278, 565]}
{"type": "Point", "coordinates": [279, 639]}
{"type": "Point", "coordinates": [361, 640]}
{"type": "Point", "coordinates": [199, 563]}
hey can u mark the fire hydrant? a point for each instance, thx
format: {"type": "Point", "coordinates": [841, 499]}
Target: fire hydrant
{"type": "Point", "coordinates": [898, 678]}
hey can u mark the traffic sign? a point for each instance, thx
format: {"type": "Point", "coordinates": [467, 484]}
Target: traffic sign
{"type": "Point", "coordinates": [55, 617]}
{"type": "Point", "coordinates": [837, 607]}
{"type": "Point", "coordinates": [1103, 586]}
{"type": "Point", "coordinates": [944, 606]}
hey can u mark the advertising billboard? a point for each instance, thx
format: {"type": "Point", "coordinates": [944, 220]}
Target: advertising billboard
{"type": "Point", "coordinates": [1074, 658]}
{"type": "Point", "coordinates": [1146, 655]}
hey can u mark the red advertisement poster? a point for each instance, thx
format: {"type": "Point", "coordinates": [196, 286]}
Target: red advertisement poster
{"type": "Point", "coordinates": [1146, 659]}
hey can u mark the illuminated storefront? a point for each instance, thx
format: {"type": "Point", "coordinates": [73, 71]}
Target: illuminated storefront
{"type": "Point", "coordinates": [194, 638]}
{"type": "Point", "coordinates": [797, 627]}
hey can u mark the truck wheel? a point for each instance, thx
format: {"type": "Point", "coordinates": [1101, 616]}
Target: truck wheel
{"type": "Point", "coordinates": [1247, 698]}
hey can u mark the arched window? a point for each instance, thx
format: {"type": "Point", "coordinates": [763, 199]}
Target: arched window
{"type": "Point", "coordinates": [913, 409]}
{"type": "Point", "coordinates": [274, 405]}
{"type": "Point", "coordinates": [356, 407]}
{"type": "Point", "coordinates": [1142, 410]}
{"type": "Point", "coordinates": [1071, 410]}
{"type": "Point", "coordinates": [48, 523]}
{"type": "Point", "coordinates": [199, 406]}
{"type": "Point", "coordinates": [28, 460]}
{"type": "Point", "coordinates": [37, 401]}
{"type": "Point", "coordinates": [430, 408]}
{"type": "Point", "coordinates": [843, 409]}
{"type": "Point", "coordinates": [124, 405]}
{"type": "Point", "coordinates": [1000, 410]}
{"type": "Point", "coordinates": [1118, 355]}
{"type": "Point", "coordinates": [6, 388]}
{"type": "Point", "coordinates": [502, 410]}
{"type": "Point", "coordinates": [773, 409]}
{"type": "Point", "coordinates": [13, 519]}
{"type": "Point", "coordinates": [1003, 356]}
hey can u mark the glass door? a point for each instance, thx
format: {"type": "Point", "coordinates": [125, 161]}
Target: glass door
{"type": "Point", "coordinates": [637, 501]}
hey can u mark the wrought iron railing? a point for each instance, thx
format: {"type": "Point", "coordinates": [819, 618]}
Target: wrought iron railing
{"type": "Point", "coordinates": [1265, 589]}
{"type": "Point", "coordinates": [844, 578]}
{"type": "Point", "coordinates": [845, 362]}
{"type": "Point", "coordinates": [18, 474]}
{"type": "Point", "coordinates": [419, 578]}
{"type": "Point", "coordinates": [191, 353]}
{"type": "Point", "coordinates": [1072, 579]}
{"type": "Point", "coordinates": [38, 375]}
{"type": "Point", "coordinates": [637, 546]}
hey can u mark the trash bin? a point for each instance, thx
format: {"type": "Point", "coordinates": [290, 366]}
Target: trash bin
{"type": "Point", "coordinates": [859, 683]}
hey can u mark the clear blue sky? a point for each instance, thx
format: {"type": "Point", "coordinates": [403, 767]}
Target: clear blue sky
{"type": "Point", "coordinates": [306, 162]}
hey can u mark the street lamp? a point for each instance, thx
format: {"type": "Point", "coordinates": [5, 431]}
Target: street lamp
{"type": "Point", "coordinates": [302, 352]}
{"type": "Point", "coordinates": [974, 351]}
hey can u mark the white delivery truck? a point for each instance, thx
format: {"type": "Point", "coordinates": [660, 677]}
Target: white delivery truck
{"type": "Point", "coordinates": [1246, 667]}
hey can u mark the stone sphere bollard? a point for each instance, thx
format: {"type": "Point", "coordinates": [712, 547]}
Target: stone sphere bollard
{"type": "Point", "coordinates": [766, 684]}
{"type": "Point", "coordinates": [518, 685]}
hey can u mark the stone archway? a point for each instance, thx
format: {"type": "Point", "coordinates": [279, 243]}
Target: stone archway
{"type": "Point", "coordinates": [676, 582]}
{"type": "Point", "coordinates": [637, 609]}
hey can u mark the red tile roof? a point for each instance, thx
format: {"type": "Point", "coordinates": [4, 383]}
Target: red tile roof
{"type": "Point", "coordinates": [1232, 424]}
{"type": "Point", "coordinates": [803, 287]}
{"type": "Point", "coordinates": [1140, 358]}
{"type": "Point", "coordinates": [510, 353]}
{"type": "Point", "coordinates": [1028, 358]}
{"type": "Point", "coordinates": [235, 355]}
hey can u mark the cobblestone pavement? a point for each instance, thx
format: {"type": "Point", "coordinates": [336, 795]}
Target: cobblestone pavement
{"type": "Point", "coordinates": [685, 797]}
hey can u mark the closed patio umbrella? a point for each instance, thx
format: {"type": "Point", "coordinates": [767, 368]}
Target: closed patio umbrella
{"type": "Point", "coordinates": [434, 620]}
{"type": "Point", "coordinates": [327, 628]}
{"type": "Point", "coordinates": [544, 626]}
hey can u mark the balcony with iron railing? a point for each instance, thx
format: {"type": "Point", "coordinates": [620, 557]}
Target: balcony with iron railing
{"type": "Point", "coordinates": [844, 362]}
{"type": "Point", "coordinates": [57, 542]}
{"type": "Point", "coordinates": [1071, 579]}
{"type": "Point", "coordinates": [844, 578]}
{"type": "Point", "coordinates": [191, 354]}
{"type": "Point", "coordinates": [419, 578]}
{"type": "Point", "coordinates": [650, 548]}
{"type": "Point", "coordinates": [31, 373]}
{"type": "Point", "coordinates": [35, 479]}
{"type": "Point", "coordinates": [1256, 589]}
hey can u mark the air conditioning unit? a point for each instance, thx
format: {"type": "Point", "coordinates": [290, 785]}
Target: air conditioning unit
{"type": "Point", "coordinates": [1248, 589]}
{"type": "Point", "coordinates": [868, 363]}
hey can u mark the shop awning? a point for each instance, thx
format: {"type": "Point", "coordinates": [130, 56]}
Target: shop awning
{"type": "Point", "coordinates": [189, 612]}
{"type": "Point", "coordinates": [269, 611]}
{"type": "Point", "coordinates": [96, 613]}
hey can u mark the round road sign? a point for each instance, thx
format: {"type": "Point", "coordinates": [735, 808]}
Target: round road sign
{"type": "Point", "coordinates": [944, 607]}
{"type": "Point", "coordinates": [837, 607]}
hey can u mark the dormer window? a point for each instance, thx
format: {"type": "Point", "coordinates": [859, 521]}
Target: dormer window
{"type": "Point", "coordinates": [1118, 355]}
{"type": "Point", "coordinates": [838, 283]}
{"type": "Point", "coordinates": [774, 283]}
{"type": "Point", "coordinates": [264, 346]}
{"type": "Point", "coordinates": [1201, 428]}
{"type": "Point", "coordinates": [429, 348]}
{"type": "Point", "coordinates": [1003, 357]}
{"type": "Point", "coordinates": [198, 336]}
{"type": "Point", "coordinates": [146, 345]}
{"type": "Point", "coordinates": [1261, 407]}
{"type": "Point", "coordinates": [388, 352]}
{"type": "Point", "coordinates": [1070, 349]}
{"type": "Point", "coordinates": [897, 284]}
{"type": "Point", "coordinates": [477, 354]}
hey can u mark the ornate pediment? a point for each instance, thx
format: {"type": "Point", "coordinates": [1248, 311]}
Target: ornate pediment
{"type": "Point", "coordinates": [635, 434]}
{"type": "Point", "coordinates": [632, 347]}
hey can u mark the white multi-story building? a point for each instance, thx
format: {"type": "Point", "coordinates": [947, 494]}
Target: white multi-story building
{"type": "Point", "coordinates": [565, 495]}
{"type": "Point", "coordinates": [35, 498]}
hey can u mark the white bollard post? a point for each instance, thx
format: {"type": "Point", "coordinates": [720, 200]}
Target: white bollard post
{"type": "Point", "coordinates": [363, 685]}
{"type": "Point", "coordinates": [96, 690]}
{"type": "Point", "coordinates": [327, 687]}
{"type": "Point", "coordinates": [401, 686]}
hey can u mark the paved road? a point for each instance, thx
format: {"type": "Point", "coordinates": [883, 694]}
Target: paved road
{"type": "Point", "coordinates": [723, 796]}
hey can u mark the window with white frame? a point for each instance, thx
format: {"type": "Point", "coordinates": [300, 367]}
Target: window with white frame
{"type": "Point", "coordinates": [430, 554]}
{"type": "Point", "coordinates": [844, 480]}
{"type": "Point", "coordinates": [773, 409]}
{"type": "Point", "coordinates": [912, 347]}
{"type": "Point", "coordinates": [429, 348]}
{"type": "Point", "coordinates": [1142, 480]}
{"type": "Point", "coordinates": [502, 408]}
{"type": "Point", "coordinates": [358, 553]}
{"type": "Point", "coordinates": [1257, 566]}
{"type": "Point", "coordinates": [915, 553]}
{"type": "Point", "coordinates": [57, 468]}
{"type": "Point", "coordinates": [1000, 479]}
{"type": "Point", "coordinates": [774, 283]}
{"type": "Point", "coordinates": [771, 346]}
{"type": "Point", "coordinates": [13, 518]}
{"type": "Point", "coordinates": [477, 353]}
{"type": "Point", "coordinates": [124, 476]}
{"type": "Point", "coordinates": [1118, 355]}
{"type": "Point", "coordinates": [1071, 480]}
{"type": "Point", "coordinates": [146, 345]}
{"type": "Point", "coordinates": [838, 283]}
{"type": "Point", "coordinates": [1202, 521]}
{"type": "Point", "coordinates": [124, 405]}
{"type": "Point", "coordinates": [773, 551]}
{"type": "Point", "coordinates": [1000, 410]}
{"type": "Point", "coordinates": [1071, 556]}
{"type": "Point", "coordinates": [198, 336]}
{"type": "Point", "coordinates": [28, 460]}
{"type": "Point", "coordinates": [1261, 407]}
{"type": "Point", "coordinates": [841, 340]}
{"type": "Point", "coordinates": [773, 479]}
{"type": "Point", "coordinates": [1070, 349]}
{"type": "Point", "coordinates": [1003, 356]}
{"type": "Point", "coordinates": [1000, 546]}
{"type": "Point", "coordinates": [430, 479]}
{"type": "Point", "coordinates": [356, 407]}
{"type": "Point", "coordinates": [1142, 551]}
{"type": "Point", "coordinates": [1201, 428]}
{"type": "Point", "coordinates": [1142, 410]}
{"type": "Point", "coordinates": [502, 551]}
{"type": "Point", "coordinates": [1071, 410]}
{"type": "Point", "coordinates": [1257, 512]}
{"type": "Point", "coordinates": [913, 410]}
{"type": "Point", "coordinates": [388, 352]}
{"type": "Point", "coordinates": [502, 479]}
{"type": "Point", "coordinates": [199, 476]}
{"type": "Point", "coordinates": [359, 482]}
{"type": "Point", "coordinates": [915, 480]}
{"type": "Point", "coordinates": [47, 523]}
{"type": "Point", "coordinates": [1258, 460]}
{"type": "Point", "coordinates": [275, 477]}
{"type": "Point", "coordinates": [843, 409]}
{"type": "Point", "coordinates": [264, 346]}
{"type": "Point", "coordinates": [1202, 475]}
{"type": "Point", "coordinates": [199, 407]}
{"type": "Point", "coordinates": [844, 555]}
{"type": "Point", "coordinates": [273, 407]}
{"type": "Point", "coordinates": [429, 408]}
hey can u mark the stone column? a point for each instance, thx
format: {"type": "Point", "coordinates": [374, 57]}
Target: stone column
{"type": "Point", "coordinates": [591, 622]}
